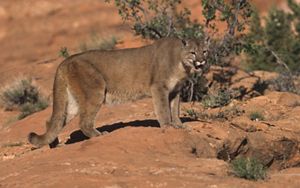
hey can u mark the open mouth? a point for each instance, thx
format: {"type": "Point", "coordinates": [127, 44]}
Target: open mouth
{"type": "Point", "coordinates": [195, 64]}
{"type": "Point", "coordinates": [199, 65]}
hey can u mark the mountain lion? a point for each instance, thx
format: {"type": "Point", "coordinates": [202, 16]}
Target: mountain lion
{"type": "Point", "coordinates": [83, 82]}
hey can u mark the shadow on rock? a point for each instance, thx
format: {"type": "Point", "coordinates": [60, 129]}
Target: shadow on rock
{"type": "Point", "coordinates": [78, 136]}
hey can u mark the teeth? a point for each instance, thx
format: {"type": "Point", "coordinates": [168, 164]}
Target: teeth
{"type": "Point", "coordinates": [199, 64]}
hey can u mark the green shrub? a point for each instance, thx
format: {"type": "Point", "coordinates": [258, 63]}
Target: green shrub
{"type": "Point", "coordinates": [192, 113]}
{"type": "Point", "coordinates": [222, 98]}
{"type": "Point", "coordinates": [248, 168]}
{"type": "Point", "coordinates": [63, 52]}
{"type": "Point", "coordinates": [221, 115]}
{"type": "Point", "coordinates": [158, 18]}
{"type": "Point", "coordinates": [24, 96]}
{"type": "Point", "coordinates": [256, 116]}
{"type": "Point", "coordinates": [276, 44]}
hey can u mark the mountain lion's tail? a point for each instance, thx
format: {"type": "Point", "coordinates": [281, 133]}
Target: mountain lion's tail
{"type": "Point", "coordinates": [59, 114]}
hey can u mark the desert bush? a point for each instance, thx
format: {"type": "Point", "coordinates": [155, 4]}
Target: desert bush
{"type": "Point", "coordinates": [222, 98]}
{"type": "Point", "coordinates": [228, 113]}
{"type": "Point", "coordinates": [30, 108]}
{"type": "Point", "coordinates": [248, 168]}
{"type": "Point", "coordinates": [158, 18]}
{"type": "Point", "coordinates": [256, 116]}
{"type": "Point", "coordinates": [276, 44]}
{"type": "Point", "coordinates": [285, 83]}
{"type": "Point", "coordinates": [192, 113]}
{"type": "Point", "coordinates": [221, 115]}
{"type": "Point", "coordinates": [24, 96]}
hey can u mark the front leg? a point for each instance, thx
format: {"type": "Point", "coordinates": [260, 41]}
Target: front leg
{"type": "Point", "coordinates": [175, 112]}
{"type": "Point", "coordinates": [161, 103]}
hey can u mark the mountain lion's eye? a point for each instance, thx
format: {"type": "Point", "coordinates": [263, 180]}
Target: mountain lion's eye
{"type": "Point", "coordinates": [205, 52]}
{"type": "Point", "coordinates": [194, 53]}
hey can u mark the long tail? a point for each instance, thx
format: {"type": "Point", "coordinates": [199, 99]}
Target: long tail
{"type": "Point", "coordinates": [58, 118]}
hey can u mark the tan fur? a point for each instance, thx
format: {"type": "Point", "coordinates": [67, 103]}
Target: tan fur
{"type": "Point", "coordinates": [85, 81]}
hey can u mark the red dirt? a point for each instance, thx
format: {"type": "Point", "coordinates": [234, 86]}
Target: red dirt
{"type": "Point", "coordinates": [135, 152]}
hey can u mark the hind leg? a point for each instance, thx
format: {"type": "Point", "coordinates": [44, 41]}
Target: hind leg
{"type": "Point", "coordinates": [89, 107]}
{"type": "Point", "coordinates": [89, 86]}
{"type": "Point", "coordinates": [87, 118]}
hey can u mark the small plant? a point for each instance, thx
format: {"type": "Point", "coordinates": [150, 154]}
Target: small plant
{"type": "Point", "coordinates": [192, 113]}
{"type": "Point", "coordinates": [63, 52]}
{"type": "Point", "coordinates": [256, 116]}
{"type": "Point", "coordinates": [222, 98]}
{"type": "Point", "coordinates": [24, 96]}
{"type": "Point", "coordinates": [227, 113]}
{"type": "Point", "coordinates": [248, 168]}
{"type": "Point", "coordinates": [97, 43]}
{"type": "Point", "coordinates": [197, 115]}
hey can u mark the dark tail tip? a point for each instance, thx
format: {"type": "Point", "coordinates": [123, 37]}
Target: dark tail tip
{"type": "Point", "coordinates": [34, 139]}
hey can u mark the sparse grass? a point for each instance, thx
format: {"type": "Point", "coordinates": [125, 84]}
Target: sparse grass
{"type": "Point", "coordinates": [222, 98]}
{"type": "Point", "coordinates": [24, 96]}
{"type": "Point", "coordinates": [192, 113]}
{"type": "Point", "coordinates": [12, 144]}
{"type": "Point", "coordinates": [63, 52]}
{"type": "Point", "coordinates": [248, 168]}
{"type": "Point", "coordinates": [256, 116]}
{"type": "Point", "coordinates": [10, 121]}
{"type": "Point", "coordinates": [223, 114]}
{"type": "Point", "coordinates": [97, 43]}
{"type": "Point", "coordinates": [196, 115]}
{"type": "Point", "coordinates": [228, 113]}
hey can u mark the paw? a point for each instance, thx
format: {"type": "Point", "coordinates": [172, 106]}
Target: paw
{"type": "Point", "coordinates": [91, 132]}
{"type": "Point", "coordinates": [166, 125]}
{"type": "Point", "coordinates": [179, 126]}
{"type": "Point", "coordinates": [174, 125]}
{"type": "Point", "coordinates": [104, 132]}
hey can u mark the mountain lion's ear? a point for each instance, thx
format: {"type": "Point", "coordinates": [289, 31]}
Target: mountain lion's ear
{"type": "Point", "coordinates": [184, 43]}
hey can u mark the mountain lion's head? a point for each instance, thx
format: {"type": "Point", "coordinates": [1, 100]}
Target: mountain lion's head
{"type": "Point", "coordinates": [194, 55]}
